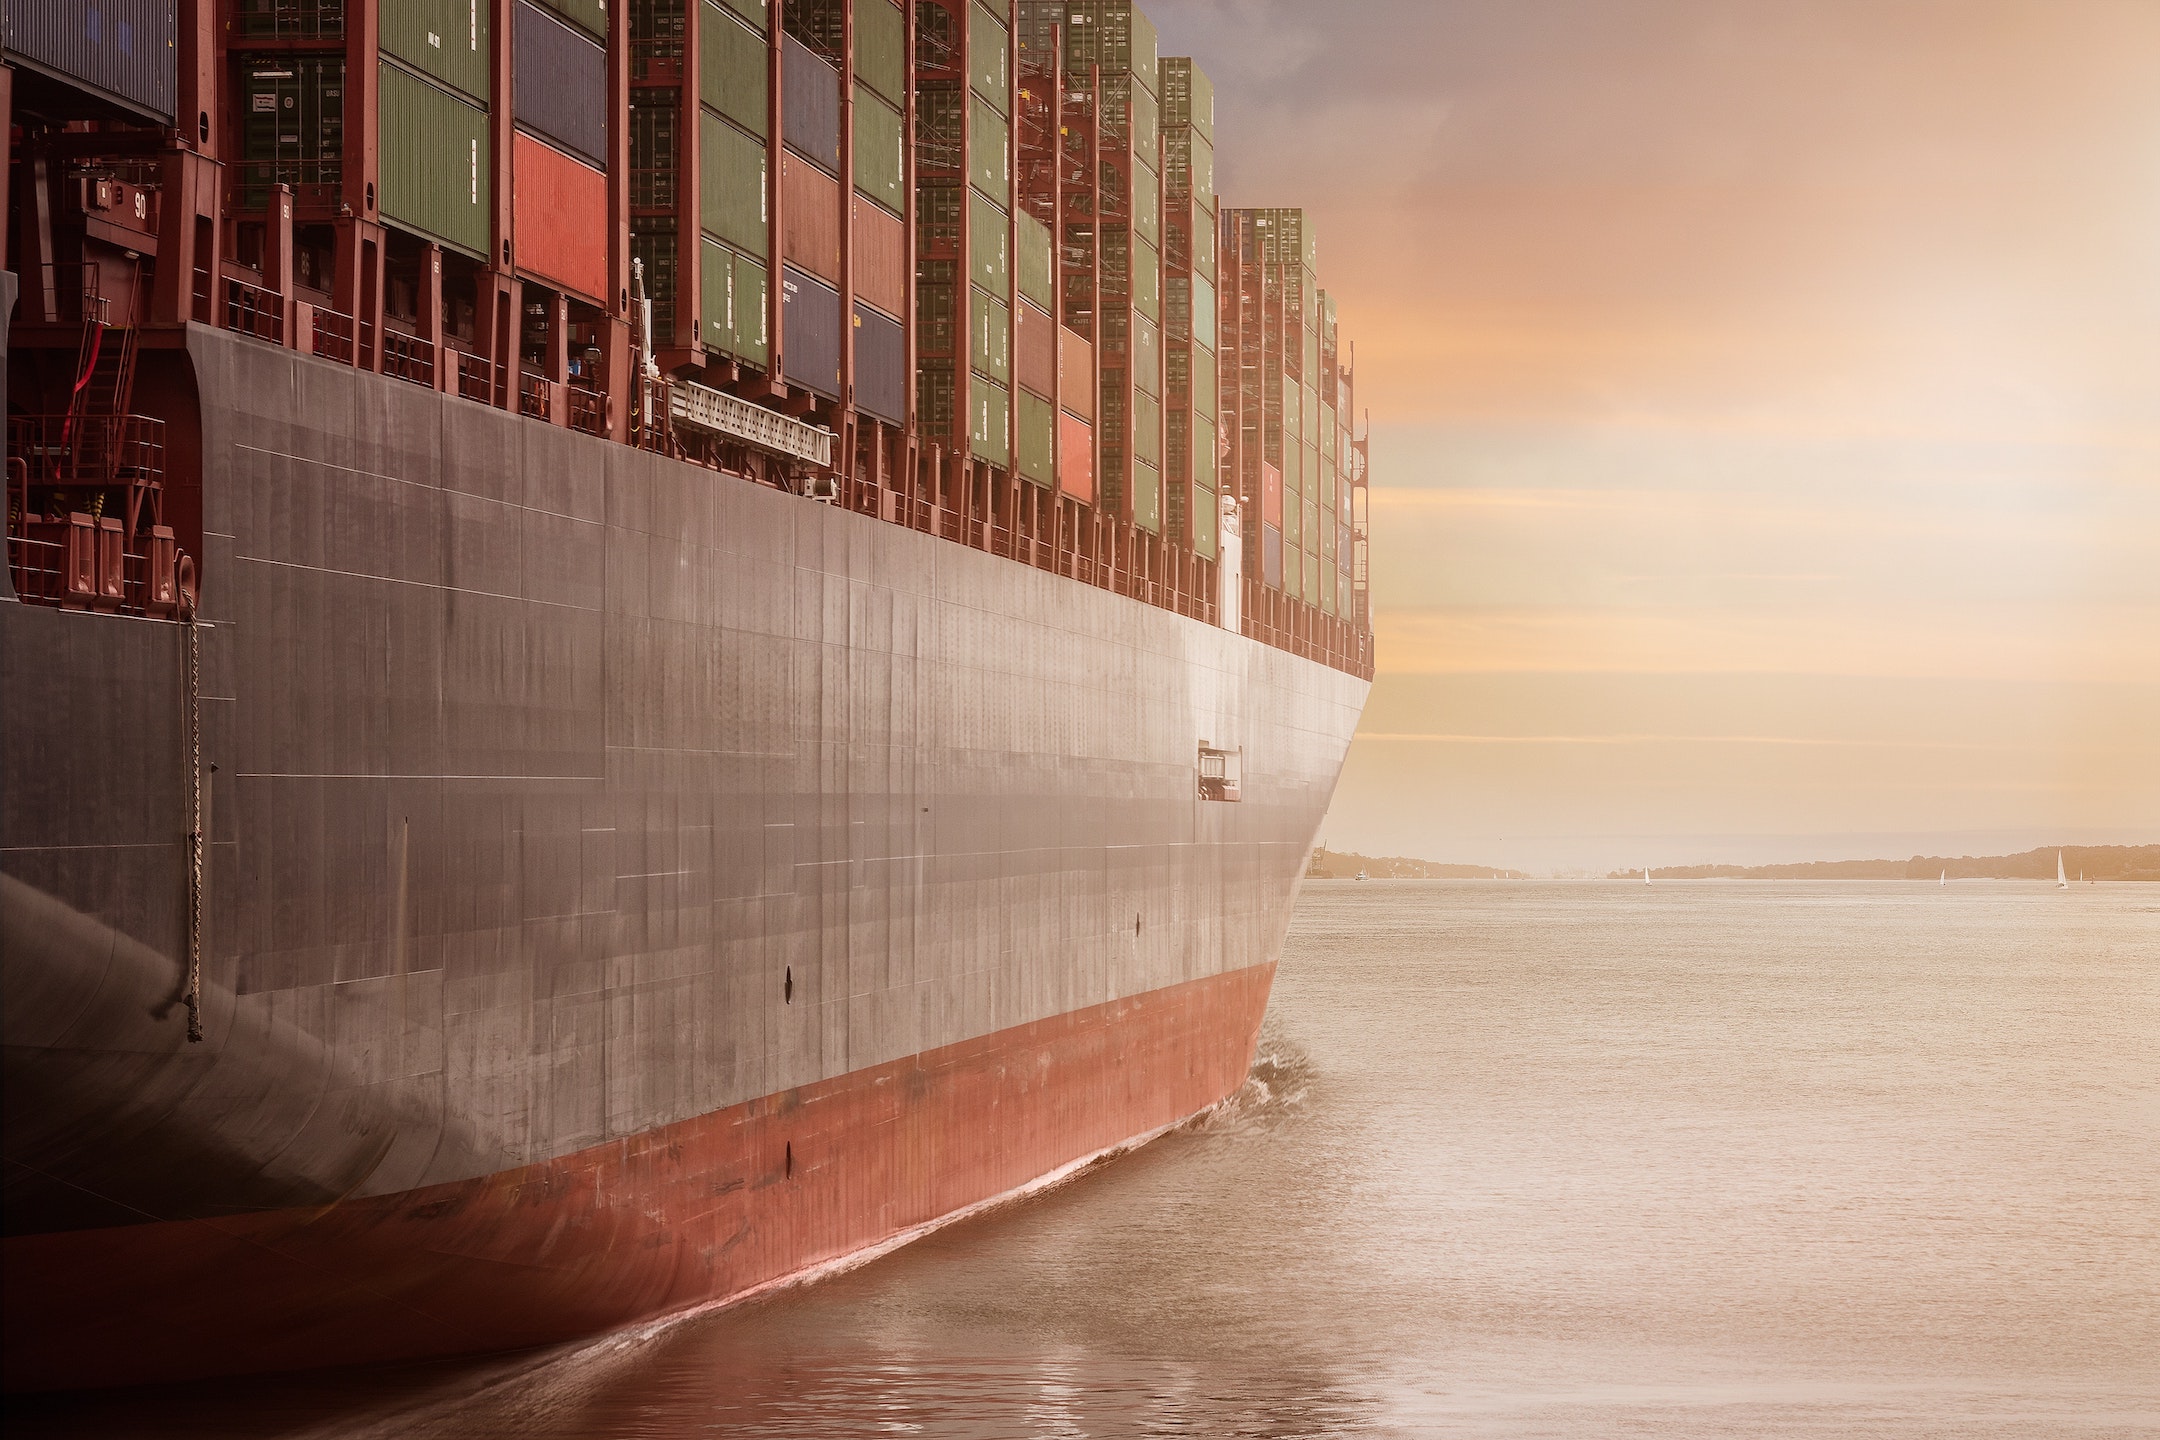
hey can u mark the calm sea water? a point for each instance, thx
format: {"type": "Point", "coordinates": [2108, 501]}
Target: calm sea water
{"type": "Point", "coordinates": [1517, 1159]}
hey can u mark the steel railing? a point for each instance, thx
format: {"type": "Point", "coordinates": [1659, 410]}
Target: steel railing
{"type": "Point", "coordinates": [408, 358]}
{"type": "Point", "coordinates": [536, 395]}
{"type": "Point", "coordinates": [588, 410]}
{"type": "Point", "coordinates": [88, 451]}
{"type": "Point", "coordinates": [253, 310]}
{"type": "Point", "coordinates": [477, 377]}
{"type": "Point", "coordinates": [332, 336]}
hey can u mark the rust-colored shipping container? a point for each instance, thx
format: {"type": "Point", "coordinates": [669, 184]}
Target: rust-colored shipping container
{"type": "Point", "coordinates": [809, 218]}
{"type": "Point", "coordinates": [1270, 495]}
{"type": "Point", "coordinates": [1035, 349]}
{"type": "Point", "coordinates": [1076, 367]}
{"type": "Point", "coordinates": [554, 200]}
{"type": "Point", "coordinates": [1076, 456]}
{"type": "Point", "coordinates": [880, 244]}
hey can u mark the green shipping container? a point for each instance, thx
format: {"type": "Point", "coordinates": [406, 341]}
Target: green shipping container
{"type": "Point", "coordinates": [1203, 451]}
{"type": "Point", "coordinates": [732, 312]}
{"type": "Point", "coordinates": [1147, 356]}
{"type": "Point", "coordinates": [1038, 439]}
{"type": "Point", "coordinates": [1206, 400]}
{"type": "Point", "coordinates": [989, 246]}
{"type": "Point", "coordinates": [989, 422]}
{"type": "Point", "coordinates": [1147, 428]}
{"type": "Point", "coordinates": [292, 123]}
{"type": "Point", "coordinates": [1200, 171]}
{"type": "Point", "coordinates": [1206, 523]}
{"type": "Point", "coordinates": [716, 295]}
{"type": "Point", "coordinates": [1115, 35]}
{"type": "Point", "coordinates": [990, 58]}
{"type": "Point", "coordinates": [1205, 311]}
{"type": "Point", "coordinates": [1037, 265]}
{"type": "Point", "coordinates": [733, 74]}
{"type": "Point", "coordinates": [990, 322]}
{"type": "Point", "coordinates": [733, 183]}
{"type": "Point", "coordinates": [446, 38]}
{"type": "Point", "coordinates": [1147, 280]}
{"type": "Point", "coordinates": [1147, 497]}
{"type": "Point", "coordinates": [1188, 166]}
{"type": "Point", "coordinates": [1327, 433]}
{"type": "Point", "coordinates": [1147, 205]}
{"type": "Point", "coordinates": [881, 48]}
{"type": "Point", "coordinates": [435, 161]}
{"type": "Point", "coordinates": [990, 154]}
{"type": "Point", "coordinates": [751, 299]}
{"type": "Point", "coordinates": [1146, 128]}
{"type": "Point", "coordinates": [880, 166]}
{"type": "Point", "coordinates": [588, 15]}
{"type": "Point", "coordinates": [1188, 95]}
{"type": "Point", "coordinates": [1310, 429]}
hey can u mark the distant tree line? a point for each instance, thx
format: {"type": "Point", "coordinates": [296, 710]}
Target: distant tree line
{"type": "Point", "coordinates": [1345, 864]}
{"type": "Point", "coordinates": [2095, 862]}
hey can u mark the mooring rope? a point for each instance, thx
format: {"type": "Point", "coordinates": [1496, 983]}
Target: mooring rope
{"type": "Point", "coordinates": [191, 679]}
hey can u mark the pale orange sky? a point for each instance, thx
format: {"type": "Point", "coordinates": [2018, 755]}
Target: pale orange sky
{"type": "Point", "coordinates": [1766, 404]}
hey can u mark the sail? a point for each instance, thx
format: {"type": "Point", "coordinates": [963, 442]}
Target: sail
{"type": "Point", "coordinates": [2060, 882]}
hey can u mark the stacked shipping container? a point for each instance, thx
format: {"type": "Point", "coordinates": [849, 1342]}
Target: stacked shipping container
{"type": "Point", "coordinates": [1290, 398]}
{"type": "Point", "coordinates": [977, 241]}
{"type": "Point", "coordinates": [1189, 330]}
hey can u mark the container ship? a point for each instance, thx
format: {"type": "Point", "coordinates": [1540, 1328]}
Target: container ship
{"type": "Point", "coordinates": [645, 646]}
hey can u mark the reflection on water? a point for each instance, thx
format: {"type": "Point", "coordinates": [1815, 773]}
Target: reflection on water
{"type": "Point", "coordinates": [1517, 1159]}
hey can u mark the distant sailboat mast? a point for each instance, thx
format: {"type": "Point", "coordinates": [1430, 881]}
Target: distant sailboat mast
{"type": "Point", "coordinates": [2061, 883]}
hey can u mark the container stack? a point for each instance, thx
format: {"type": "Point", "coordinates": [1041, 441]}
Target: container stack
{"type": "Point", "coordinates": [728, 198]}
{"type": "Point", "coordinates": [1056, 147]}
{"type": "Point", "coordinates": [1189, 306]}
{"type": "Point", "coordinates": [1110, 53]}
{"type": "Point", "coordinates": [1290, 403]}
{"type": "Point", "coordinates": [958, 264]}
{"type": "Point", "coordinates": [964, 273]}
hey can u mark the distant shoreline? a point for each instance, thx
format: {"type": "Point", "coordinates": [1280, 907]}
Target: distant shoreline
{"type": "Point", "coordinates": [1622, 877]}
{"type": "Point", "coordinates": [2111, 863]}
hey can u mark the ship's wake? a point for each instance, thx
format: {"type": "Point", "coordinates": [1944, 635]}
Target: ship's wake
{"type": "Point", "coordinates": [1276, 1089]}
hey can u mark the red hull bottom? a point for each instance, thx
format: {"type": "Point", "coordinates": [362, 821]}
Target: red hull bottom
{"type": "Point", "coordinates": [693, 1212]}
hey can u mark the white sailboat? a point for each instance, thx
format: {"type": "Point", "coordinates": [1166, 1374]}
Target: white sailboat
{"type": "Point", "coordinates": [1646, 874]}
{"type": "Point", "coordinates": [2061, 883]}
{"type": "Point", "coordinates": [1945, 881]}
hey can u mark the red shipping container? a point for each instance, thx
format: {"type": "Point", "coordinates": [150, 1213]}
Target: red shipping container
{"type": "Point", "coordinates": [1270, 495]}
{"type": "Point", "coordinates": [559, 210]}
{"type": "Point", "coordinates": [1076, 373]}
{"type": "Point", "coordinates": [1076, 456]}
{"type": "Point", "coordinates": [809, 218]}
{"type": "Point", "coordinates": [1035, 348]}
{"type": "Point", "coordinates": [880, 244]}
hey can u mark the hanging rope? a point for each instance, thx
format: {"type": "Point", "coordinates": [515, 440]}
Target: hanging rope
{"type": "Point", "coordinates": [191, 680]}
